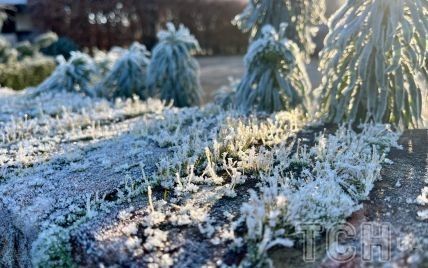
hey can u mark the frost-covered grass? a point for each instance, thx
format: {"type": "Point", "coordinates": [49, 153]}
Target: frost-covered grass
{"type": "Point", "coordinates": [320, 185]}
{"type": "Point", "coordinates": [210, 157]}
{"type": "Point", "coordinates": [43, 123]}
{"type": "Point", "coordinates": [422, 200]}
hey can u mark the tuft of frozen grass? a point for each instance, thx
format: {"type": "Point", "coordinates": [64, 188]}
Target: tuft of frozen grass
{"type": "Point", "coordinates": [322, 201]}
{"type": "Point", "coordinates": [128, 75]}
{"type": "Point", "coordinates": [423, 197]}
{"type": "Point", "coordinates": [275, 77]}
{"type": "Point", "coordinates": [265, 217]}
{"type": "Point", "coordinates": [173, 73]}
{"type": "Point", "coordinates": [422, 200]}
{"type": "Point", "coordinates": [320, 185]}
{"type": "Point", "coordinates": [72, 75]}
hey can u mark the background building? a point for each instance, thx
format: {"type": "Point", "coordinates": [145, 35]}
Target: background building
{"type": "Point", "coordinates": [18, 26]}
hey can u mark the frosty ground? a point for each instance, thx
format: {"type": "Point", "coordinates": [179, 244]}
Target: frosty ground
{"type": "Point", "coordinates": [86, 181]}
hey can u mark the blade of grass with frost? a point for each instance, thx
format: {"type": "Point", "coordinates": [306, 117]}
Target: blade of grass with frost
{"type": "Point", "coordinates": [339, 171]}
{"type": "Point", "coordinates": [72, 75]}
{"type": "Point", "coordinates": [302, 16]}
{"type": "Point", "coordinates": [275, 77]}
{"type": "Point", "coordinates": [374, 61]}
{"type": "Point", "coordinates": [128, 75]}
{"type": "Point", "coordinates": [173, 73]}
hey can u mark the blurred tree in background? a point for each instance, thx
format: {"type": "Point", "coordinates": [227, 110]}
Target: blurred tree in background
{"type": "Point", "coordinates": [104, 24]}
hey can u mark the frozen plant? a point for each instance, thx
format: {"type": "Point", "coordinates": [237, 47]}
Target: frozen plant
{"type": "Point", "coordinates": [374, 62]}
{"type": "Point", "coordinates": [52, 248]}
{"type": "Point", "coordinates": [27, 49]}
{"type": "Point", "coordinates": [173, 73]}
{"type": "Point", "coordinates": [302, 16]}
{"type": "Point", "coordinates": [423, 197]}
{"type": "Point", "coordinates": [322, 201]}
{"type": "Point", "coordinates": [72, 75]}
{"type": "Point", "coordinates": [338, 173]}
{"type": "Point", "coordinates": [265, 217]}
{"type": "Point", "coordinates": [106, 60]}
{"type": "Point", "coordinates": [23, 65]}
{"type": "Point", "coordinates": [128, 75]}
{"type": "Point", "coordinates": [275, 77]}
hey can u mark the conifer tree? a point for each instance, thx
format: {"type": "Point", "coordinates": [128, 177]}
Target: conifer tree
{"type": "Point", "coordinates": [173, 73]}
{"type": "Point", "coordinates": [302, 16]}
{"type": "Point", "coordinates": [72, 75]}
{"type": "Point", "coordinates": [128, 75]}
{"type": "Point", "coordinates": [275, 77]}
{"type": "Point", "coordinates": [374, 62]}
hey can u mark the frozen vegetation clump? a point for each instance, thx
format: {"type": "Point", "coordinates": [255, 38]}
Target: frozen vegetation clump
{"type": "Point", "coordinates": [22, 50]}
{"type": "Point", "coordinates": [374, 62]}
{"type": "Point", "coordinates": [302, 16]}
{"type": "Point", "coordinates": [128, 75]}
{"type": "Point", "coordinates": [52, 249]}
{"type": "Point", "coordinates": [173, 73]}
{"type": "Point", "coordinates": [275, 77]}
{"type": "Point", "coordinates": [23, 65]}
{"type": "Point", "coordinates": [73, 75]}
{"type": "Point", "coordinates": [320, 185]}
{"type": "Point", "coordinates": [27, 49]}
